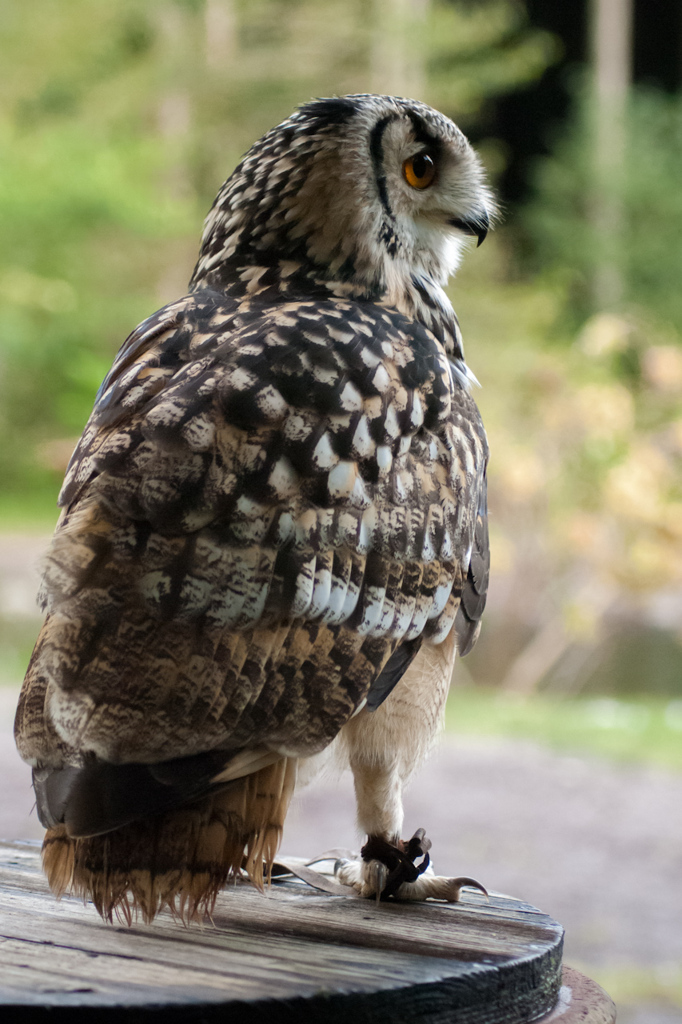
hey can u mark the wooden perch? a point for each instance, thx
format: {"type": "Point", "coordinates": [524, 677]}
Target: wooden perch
{"type": "Point", "coordinates": [294, 954]}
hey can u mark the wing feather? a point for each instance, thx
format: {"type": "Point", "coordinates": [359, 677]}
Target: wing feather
{"type": "Point", "coordinates": [265, 505]}
{"type": "Point", "coordinates": [475, 589]}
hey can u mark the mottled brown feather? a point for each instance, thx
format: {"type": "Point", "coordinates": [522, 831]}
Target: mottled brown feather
{"type": "Point", "coordinates": [281, 482]}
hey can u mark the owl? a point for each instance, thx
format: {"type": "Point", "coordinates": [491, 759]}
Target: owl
{"type": "Point", "coordinates": [273, 533]}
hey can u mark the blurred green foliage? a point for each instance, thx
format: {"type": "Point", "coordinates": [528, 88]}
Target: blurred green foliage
{"type": "Point", "coordinates": [585, 431]}
{"type": "Point", "coordinates": [603, 410]}
{"type": "Point", "coordinates": [646, 185]}
{"type": "Point", "coordinates": [639, 729]}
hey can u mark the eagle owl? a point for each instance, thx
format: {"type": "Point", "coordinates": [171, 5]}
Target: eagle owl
{"type": "Point", "coordinates": [273, 532]}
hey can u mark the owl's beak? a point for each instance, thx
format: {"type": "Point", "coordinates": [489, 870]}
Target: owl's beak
{"type": "Point", "coordinates": [477, 226]}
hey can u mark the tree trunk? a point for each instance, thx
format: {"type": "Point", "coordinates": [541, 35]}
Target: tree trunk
{"type": "Point", "coordinates": [220, 24]}
{"type": "Point", "coordinates": [611, 45]}
{"type": "Point", "coordinates": [397, 59]}
{"type": "Point", "coordinates": [174, 110]}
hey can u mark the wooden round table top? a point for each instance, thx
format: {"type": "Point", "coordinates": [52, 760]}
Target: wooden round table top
{"type": "Point", "coordinates": [293, 954]}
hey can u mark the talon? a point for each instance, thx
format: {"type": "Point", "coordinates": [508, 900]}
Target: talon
{"type": "Point", "coordinates": [378, 878]}
{"type": "Point", "coordinates": [398, 868]}
{"type": "Point", "coordinates": [467, 883]}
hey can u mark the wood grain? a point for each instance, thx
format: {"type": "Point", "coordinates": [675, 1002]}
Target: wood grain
{"type": "Point", "coordinates": [294, 952]}
{"type": "Point", "coordinates": [581, 1001]}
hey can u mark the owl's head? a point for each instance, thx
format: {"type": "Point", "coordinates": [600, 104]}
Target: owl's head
{"type": "Point", "coordinates": [366, 191]}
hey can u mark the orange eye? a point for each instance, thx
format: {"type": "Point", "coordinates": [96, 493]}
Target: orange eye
{"type": "Point", "coordinates": [419, 171]}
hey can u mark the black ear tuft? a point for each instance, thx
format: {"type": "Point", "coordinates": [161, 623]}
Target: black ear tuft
{"type": "Point", "coordinates": [323, 113]}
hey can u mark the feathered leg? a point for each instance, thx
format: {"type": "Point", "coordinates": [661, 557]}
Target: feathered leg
{"type": "Point", "coordinates": [384, 748]}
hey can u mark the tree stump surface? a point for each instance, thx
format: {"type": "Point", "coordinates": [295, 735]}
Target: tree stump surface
{"type": "Point", "coordinates": [293, 954]}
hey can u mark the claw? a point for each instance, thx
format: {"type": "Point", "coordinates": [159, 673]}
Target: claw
{"type": "Point", "coordinates": [466, 883]}
{"type": "Point", "coordinates": [378, 878]}
{"type": "Point", "coordinates": [398, 868]}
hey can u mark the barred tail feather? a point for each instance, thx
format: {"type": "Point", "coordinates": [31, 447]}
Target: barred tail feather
{"type": "Point", "coordinates": [179, 859]}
